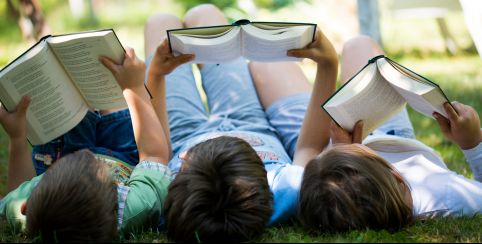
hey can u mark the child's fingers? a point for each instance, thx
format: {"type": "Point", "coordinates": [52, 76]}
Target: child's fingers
{"type": "Point", "coordinates": [23, 106]}
{"type": "Point", "coordinates": [442, 122]}
{"type": "Point", "coordinates": [335, 129]}
{"type": "Point", "coordinates": [182, 59]}
{"type": "Point", "coordinates": [452, 114]}
{"type": "Point", "coordinates": [130, 53]}
{"type": "Point", "coordinates": [109, 64]}
{"type": "Point", "coordinates": [163, 48]}
{"type": "Point", "coordinates": [358, 132]}
{"type": "Point", "coordinates": [299, 53]}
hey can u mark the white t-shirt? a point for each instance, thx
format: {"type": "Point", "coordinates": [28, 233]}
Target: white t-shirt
{"type": "Point", "coordinates": [436, 190]}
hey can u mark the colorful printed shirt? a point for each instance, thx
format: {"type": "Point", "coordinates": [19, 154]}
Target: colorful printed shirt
{"type": "Point", "coordinates": [141, 192]}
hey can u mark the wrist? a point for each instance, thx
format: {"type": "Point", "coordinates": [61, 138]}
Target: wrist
{"type": "Point", "coordinates": [135, 90]}
{"type": "Point", "coordinates": [155, 75]}
{"type": "Point", "coordinates": [471, 144]}
{"type": "Point", "coordinates": [18, 140]}
{"type": "Point", "coordinates": [327, 64]}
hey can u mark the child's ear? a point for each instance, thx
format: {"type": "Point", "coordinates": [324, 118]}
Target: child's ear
{"type": "Point", "coordinates": [23, 208]}
{"type": "Point", "coordinates": [182, 155]}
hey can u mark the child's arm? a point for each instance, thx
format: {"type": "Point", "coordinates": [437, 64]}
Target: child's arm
{"type": "Point", "coordinates": [151, 140]}
{"type": "Point", "coordinates": [20, 165]}
{"type": "Point", "coordinates": [463, 128]}
{"type": "Point", "coordinates": [162, 64]}
{"type": "Point", "coordinates": [315, 132]}
{"type": "Point", "coordinates": [462, 125]}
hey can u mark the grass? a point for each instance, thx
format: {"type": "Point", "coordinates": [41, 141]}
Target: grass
{"type": "Point", "coordinates": [418, 48]}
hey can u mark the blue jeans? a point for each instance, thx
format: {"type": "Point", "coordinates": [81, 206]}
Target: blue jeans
{"type": "Point", "coordinates": [286, 116]}
{"type": "Point", "coordinates": [109, 134]}
{"type": "Point", "coordinates": [232, 102]}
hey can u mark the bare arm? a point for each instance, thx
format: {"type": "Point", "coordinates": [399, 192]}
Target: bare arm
{"type": "Point", "coordinates": [162, 64]}
{"type": "Point", "coordinates": [20, 165]}
{"type": "Point", "coordinates": [463, 128]}
{"type": "Point", "coordinates": [151, 140]}
{"type": "Point", "coordinates": [315, 130]}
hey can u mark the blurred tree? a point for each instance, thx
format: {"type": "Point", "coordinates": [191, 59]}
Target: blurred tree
{"type": "Point", "coordinates": [29, 17]}
{"type": "Point", "coordinates": [275, 4]}
{"type": "Point", "coordinates": [78, 9]}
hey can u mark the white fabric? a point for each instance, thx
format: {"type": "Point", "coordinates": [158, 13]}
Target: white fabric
{"type": "Point", "coordinates": [436, 191]}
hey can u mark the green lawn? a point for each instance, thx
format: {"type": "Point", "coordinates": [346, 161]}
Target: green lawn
{"type": "Point", "coordinates": [460, 76]}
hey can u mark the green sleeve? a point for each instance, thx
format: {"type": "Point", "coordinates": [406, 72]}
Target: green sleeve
{"type": "Point", "coordinates": [10, 206]}
{"type": "Point", "coordinates": [147, 190]}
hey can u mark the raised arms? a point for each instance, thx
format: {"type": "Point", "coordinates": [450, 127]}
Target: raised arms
{"type": "Point", "coordinates": [20, 165]}
{"type": "Point", "coordinates": [315, 132]}
{"type": "Point", "coordinates": [151, 140]}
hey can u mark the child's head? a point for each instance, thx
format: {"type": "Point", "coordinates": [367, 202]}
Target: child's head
{"type": "Point", "coordinates": [221, 194]}
{"type": "Point", "coordinates": [349, 187]}
{"type": "Point", "coordinates": [75, 201]}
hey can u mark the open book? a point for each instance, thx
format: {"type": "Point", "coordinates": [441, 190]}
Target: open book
{"type": "Point", "coordinates": [64, 79]}
{"type": "Point", "coordinates": [259, 41]}
{"type": "Point", "coordinates": [379, 91]}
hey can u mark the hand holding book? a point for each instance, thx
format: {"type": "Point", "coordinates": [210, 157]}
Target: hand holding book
{"type": "Point", "coordinates": [462, 125]}
{"type": "Point", "coordinates": [379, 91]}
{"type": "Point", "coordinates": [15, 122]}
{"type": "Point", "coordinates": [64, 79]}
{"type": "Point", "coordinates": [164, 62]}
{"type": "Point", "coordinates": [340, 135]}
{"type": "Point", "coordinates": [130, 74]}
{"type": "Point", "coordinates": [258, 41]}
{"type": "Point", "coordinates": [320, 50]}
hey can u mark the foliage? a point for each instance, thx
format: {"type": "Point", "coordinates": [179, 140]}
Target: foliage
{"type": "Point", "coordinates": [275, 4]}
{"type": "Point", "coordinates": [222, 4]}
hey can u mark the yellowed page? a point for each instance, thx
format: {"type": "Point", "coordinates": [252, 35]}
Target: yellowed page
{"type": "Point", "coordinates": [55, 108]}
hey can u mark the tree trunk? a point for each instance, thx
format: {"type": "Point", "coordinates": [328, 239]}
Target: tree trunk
{"type": "Point", "coordinates": [29, 17]}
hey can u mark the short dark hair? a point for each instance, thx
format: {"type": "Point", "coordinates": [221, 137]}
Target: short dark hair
{"type": "Point", "coordinates": [349, 187]}
{"type": "Point", "coordinates": [221, 194]}
{"type": "Point", "coordinates": [75, 201]}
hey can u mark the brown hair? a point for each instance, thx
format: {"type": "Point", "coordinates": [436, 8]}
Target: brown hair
{"type": "Point", "coordinates": [75, 201]}
{"type": "Point", "coordinates": [221, 194]}
{"type": "Point", "coordinates": [349, 187]}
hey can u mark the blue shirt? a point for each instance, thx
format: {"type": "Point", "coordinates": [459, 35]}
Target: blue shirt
{"type": "Point", "coordinates": [284, 178]}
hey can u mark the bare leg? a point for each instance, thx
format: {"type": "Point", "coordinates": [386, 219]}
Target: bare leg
{"type": "Point", "coordinates": [356, 53]}
{"type": "Point", "coordinates": [155, 31]}
{"type": "Point", "coordinates": [204, 15]}
{"type": "Point", "coordinates": [274, 81]}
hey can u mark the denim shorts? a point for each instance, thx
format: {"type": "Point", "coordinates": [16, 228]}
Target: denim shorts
{"type": "Point", "coordinates": [232, 102]}
{"type": "Point", "coordinates": [286, 116]}
{"type": "Point", "coordinates": [109, 134]}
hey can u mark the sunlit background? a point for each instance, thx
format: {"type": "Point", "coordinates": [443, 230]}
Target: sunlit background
{"type": "Point", "coordinates": [431, 37]}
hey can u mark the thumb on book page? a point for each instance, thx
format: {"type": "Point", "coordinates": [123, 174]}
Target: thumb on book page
{"type": "Point", "coordinates": [23, 106]}
{"type": "Point", "coordinates": [442, 122]}
{"type": "Point", "coordinates": [109, 64]}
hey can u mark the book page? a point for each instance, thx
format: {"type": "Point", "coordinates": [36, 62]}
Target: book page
{"type": "Point", "coordinates": [421, 95]}
{"type": "Point", "coordinates": [366, 97]}
{"type": "Point", "coordinates": [272, 44]}
{"type": "Point", "coordinates": [55, 107]}
{"type": "Point", "coordinates": [80, 57]}
{"type": "Point", "coordinates": [208, 48]}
